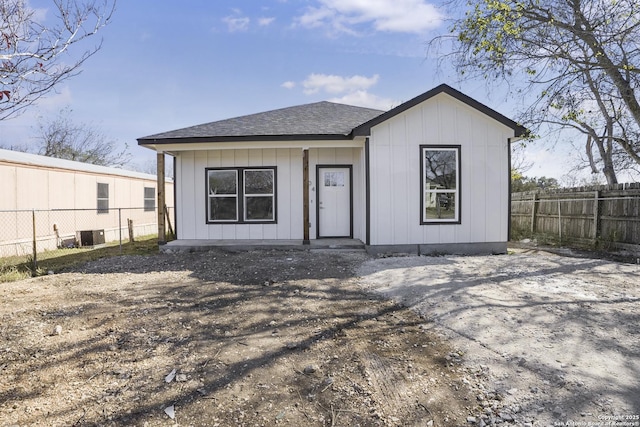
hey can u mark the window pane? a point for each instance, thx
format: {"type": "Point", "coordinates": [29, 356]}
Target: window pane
{"type": "Point", "coordinates": [149, 199]}
{"type": "Point", "coordinates": [440, 206]}
{"type": "Point", "coordinates": [223, 209]}
{"type": "Point", "coordinates": [103, 198]}
{"type": "Point", "coordinates": [103, 206]}
{"type": "Point", "coordinates": [222, 182]}
{"type": "Point", "coordinates": [258, 181]}
{"type": "Point", "coordinates": [103, 191]}
{"type": "Point", "coordinates": [259, 208]}
{"type": "Point", "coordinates": [334, 179]}
{"type": "Point", "coordinates": [440, 169]}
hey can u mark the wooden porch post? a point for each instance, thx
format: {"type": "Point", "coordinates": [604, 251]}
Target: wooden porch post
{"type": "Point", "coordinates": [162, 238]}
{"type": "Point", "coordinates": [305, 195]}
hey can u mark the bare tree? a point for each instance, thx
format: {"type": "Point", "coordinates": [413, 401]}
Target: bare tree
{"type": "Point", "coordinates": [64, 139]}
{"type": "Point", "coordinates": [150, 166]}
{"type": "Point", "coordinates": [35, 56]}
{"type": "Point", "coordinates": [577, 60]}
{"type": "Point", "coordinates": [519, 162]}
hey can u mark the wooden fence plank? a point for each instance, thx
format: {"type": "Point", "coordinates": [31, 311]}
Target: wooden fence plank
{"type": "Point", "coordinates": [593, 216]}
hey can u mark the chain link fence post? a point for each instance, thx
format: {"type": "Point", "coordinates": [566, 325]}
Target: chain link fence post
{"type": "Point", "coordinates": [120, 227]}
{"type": "Point", "coordinates": [35, 245]}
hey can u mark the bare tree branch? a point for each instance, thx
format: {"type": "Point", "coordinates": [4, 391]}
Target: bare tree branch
{"type": "Point", "coordinates": [64, 139]}
{"type": "Point", "coordinates": [35, 56]}
{"type": "Point", "coordinates": [578, 60]}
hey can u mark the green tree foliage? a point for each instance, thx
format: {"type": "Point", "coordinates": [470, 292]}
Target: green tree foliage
{"type": "Point", "coordinates": [578, 61]}
{"type": "Point", "coordinates": [521, 183]}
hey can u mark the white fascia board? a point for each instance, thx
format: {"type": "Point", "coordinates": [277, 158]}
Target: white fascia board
{"type": "Point", "coordinates": [249, 145]}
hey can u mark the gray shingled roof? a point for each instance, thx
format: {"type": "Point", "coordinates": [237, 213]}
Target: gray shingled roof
{"type": "Point", "coordinates": [320, 118]}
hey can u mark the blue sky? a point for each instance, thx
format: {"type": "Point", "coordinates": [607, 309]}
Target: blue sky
{"type": "Point", "coordinates": [166, 65]}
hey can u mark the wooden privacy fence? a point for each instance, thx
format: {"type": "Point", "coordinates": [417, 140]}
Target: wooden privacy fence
{"type": "Point", "coordinates": [601, 216]}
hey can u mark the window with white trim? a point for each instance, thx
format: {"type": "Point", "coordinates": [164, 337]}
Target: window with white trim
{"type": "Point", "coordinates": [241, 195]}
{"type": "Point", "coordinates": [103, 198]}
{"type": "Point", "coordinates": [149, 199]}
{"type": "Point", "coordinates": [440, 184]}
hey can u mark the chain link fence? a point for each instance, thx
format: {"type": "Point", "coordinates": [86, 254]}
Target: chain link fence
{"type": "Point", "coordinates": [27, 233]}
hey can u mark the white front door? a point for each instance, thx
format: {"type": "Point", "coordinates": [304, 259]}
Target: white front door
{"type": "Point", "coordinates": [334, 202]}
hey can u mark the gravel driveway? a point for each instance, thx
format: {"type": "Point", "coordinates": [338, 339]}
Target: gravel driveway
{"type": "Point", "coordinates": [555, 338]}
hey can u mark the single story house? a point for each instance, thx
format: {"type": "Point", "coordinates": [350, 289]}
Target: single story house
{"type": "Point", "coordinates": [63, 198]}
{"type": "Point", "coordinates": [430, 175]}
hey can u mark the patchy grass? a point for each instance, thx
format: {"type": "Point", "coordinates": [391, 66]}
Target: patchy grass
{"type": "Point", "coordinates": [11, 273]}
{"type": "Point", "coordinates": [18, 268]}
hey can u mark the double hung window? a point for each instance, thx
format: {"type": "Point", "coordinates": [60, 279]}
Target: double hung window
{"type": "Point", "coordinates": [440, 184]}
{"type": "Point", "coordinates": [103, 198]}
{"type": "Point", "coordinates": [241, 195]}
{"type": "Point", "coordinates": [149, 199]}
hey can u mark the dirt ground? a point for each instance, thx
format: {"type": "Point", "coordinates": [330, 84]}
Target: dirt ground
{"type": "Point", "coordinates": [322, 338]}
{"type": "Point", "coordinates": [556, 335]}
{"type": "Point", "coordinates": [255, 338]}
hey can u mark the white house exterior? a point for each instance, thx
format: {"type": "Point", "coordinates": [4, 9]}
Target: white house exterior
{"type": "Point", "coordinates": [62, 198]}
{"type": "Point", "coordinates": [481, 143]}
{"type": "Point", "coordinates": [431, 175]}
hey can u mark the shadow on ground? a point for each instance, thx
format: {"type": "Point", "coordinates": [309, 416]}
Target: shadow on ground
{"type": "Point", "coordinates": [260, 338]}
{"type": "Point", "coordinates": [559, 333]}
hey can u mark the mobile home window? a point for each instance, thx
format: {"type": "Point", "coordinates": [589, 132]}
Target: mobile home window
{"type": "Point", "coordinates": [103, 198]}
{"type": "Point", "coordinates": [241, 195]}
{"type": "Point", "coordinates": [440, 184]}
{"type": "Point", "coordinates": [149, 199]}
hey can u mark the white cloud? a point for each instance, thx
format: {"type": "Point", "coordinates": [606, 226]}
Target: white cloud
{"type": "Point", "coordinates": [39, 14]}
{"type": "Point", "coordinates": [362, 98]}
{"type": "Point", "coordinates": [237, 22]}
{"type": "Point", "coordinates": [266, 21]}
{"type": "Point", "coordinates": [351, 90]}
{"type": "Point", "coordinates": [403, 16]}
{"type": "Point", "coordinates": [337, 84]}
{"type": "Point", "coordinates": [57, 100]}
{"type": "Point", "coordinates": [316, 17]}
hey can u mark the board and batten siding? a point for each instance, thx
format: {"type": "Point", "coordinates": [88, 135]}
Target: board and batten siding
{"type": "Point", "coordinates": [191, 203]}
{"type": "Point", "coordinates": [396, 174]}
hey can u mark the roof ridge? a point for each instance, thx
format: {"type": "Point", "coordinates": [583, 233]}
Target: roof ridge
{"type": "Point", "coordinates": [321, 119]}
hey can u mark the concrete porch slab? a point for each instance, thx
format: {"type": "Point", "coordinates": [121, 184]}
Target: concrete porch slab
{"type": "Point", "coordinates": [201, 245]}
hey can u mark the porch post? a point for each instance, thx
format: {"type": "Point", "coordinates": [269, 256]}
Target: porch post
{"type": "Point", "coordinates": [162, 239]}
{"type": "Point", "coordinates": [367, 192]}
{"type": "Point", "coordinates": [305, 195]}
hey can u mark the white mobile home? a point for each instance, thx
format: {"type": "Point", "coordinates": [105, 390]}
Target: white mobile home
{"type": "Point", "coordinates": [431, 175]}
{"type": "Point", "coordinates": [63, 198]}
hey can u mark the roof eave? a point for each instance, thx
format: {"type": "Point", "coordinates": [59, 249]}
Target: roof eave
{"type": "Point", "coordinates": [242, 138]}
